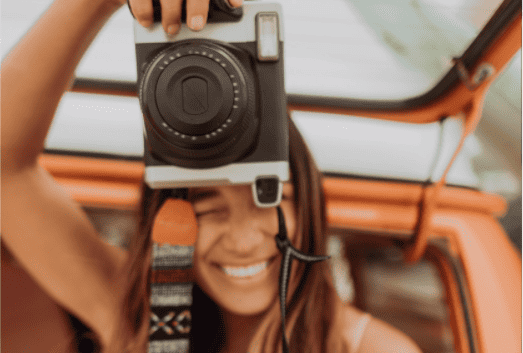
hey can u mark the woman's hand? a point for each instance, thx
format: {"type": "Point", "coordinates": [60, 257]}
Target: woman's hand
{"type": "Point", "coordinates": [172, 11]}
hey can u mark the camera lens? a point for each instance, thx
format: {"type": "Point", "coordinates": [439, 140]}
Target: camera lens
{"type": "Point", "coordinates": [194, 96]}
{"type": "Point", "coordinates": [198, 101]}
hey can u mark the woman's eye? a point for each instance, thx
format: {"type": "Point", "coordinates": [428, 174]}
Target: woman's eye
{"type": "Point", "coordinates": [203, 213]}
{"type": "Point", "coordinates": [216, 211]}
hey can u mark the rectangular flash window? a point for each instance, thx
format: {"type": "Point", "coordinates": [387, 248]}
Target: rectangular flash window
{"type": "Point", "coordinates": [267, 36]}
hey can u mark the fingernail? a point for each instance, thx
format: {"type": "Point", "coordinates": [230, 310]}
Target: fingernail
{"type": "Point", "coordinates": [197, 23]}
{"type": "Point", "coordinates": [173, 29]}
{"type": "Point", "coordinates": [235, 3]}
{"type": "Point", "coordinates": [146, 23]}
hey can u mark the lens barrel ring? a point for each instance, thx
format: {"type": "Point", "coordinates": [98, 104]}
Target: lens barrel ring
{"type": "Point", "coordinates": [240, 120]}
{"type": "Point", "coordinates": [149, 97]}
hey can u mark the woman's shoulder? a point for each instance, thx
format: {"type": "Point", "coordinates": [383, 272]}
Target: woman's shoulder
{"type": "Point", "coordinates": [31, 320]}
{"type": "Point", "coordinates": [364, 333]}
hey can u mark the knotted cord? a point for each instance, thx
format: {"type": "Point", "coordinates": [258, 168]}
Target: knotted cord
{"type": "Point", "coordinates": [289, 253]}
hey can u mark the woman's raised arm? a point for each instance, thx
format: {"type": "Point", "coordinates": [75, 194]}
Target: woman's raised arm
{"type": "Point", "coordinates": [39, 69]}
{"type": "Point", "coordinates": [46, 231]}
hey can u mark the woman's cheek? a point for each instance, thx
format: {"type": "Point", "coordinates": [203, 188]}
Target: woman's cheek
{"type": "Point", "coordinates": [203, 242]}
{"type": "Point", "coordinates": [201, 250]}
{"type": "Point", "coordinates": [208, 235]}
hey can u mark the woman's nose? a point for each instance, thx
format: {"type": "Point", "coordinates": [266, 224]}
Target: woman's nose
{"type": "Point", "coordinates": [251, 229]}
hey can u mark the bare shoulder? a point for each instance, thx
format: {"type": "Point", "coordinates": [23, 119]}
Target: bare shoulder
{"type": "Point", "coordinates": [375, 335]}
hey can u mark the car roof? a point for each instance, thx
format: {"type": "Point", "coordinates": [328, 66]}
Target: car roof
{"type": "Point", "coordinates": [320, 65]}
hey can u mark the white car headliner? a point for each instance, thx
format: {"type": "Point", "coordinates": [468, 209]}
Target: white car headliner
{"type": "Point", "coordinates": [362, 147]}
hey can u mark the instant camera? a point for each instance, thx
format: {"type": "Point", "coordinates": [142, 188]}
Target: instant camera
{"type": "Point", "coordinates": [214, 101]}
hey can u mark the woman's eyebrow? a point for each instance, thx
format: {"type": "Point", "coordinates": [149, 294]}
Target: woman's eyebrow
{"type": "Point", "coordinates": [200, 195]}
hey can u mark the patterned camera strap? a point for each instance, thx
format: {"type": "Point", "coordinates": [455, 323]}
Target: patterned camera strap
{"type": "Point", "coordinates": [172, 278]}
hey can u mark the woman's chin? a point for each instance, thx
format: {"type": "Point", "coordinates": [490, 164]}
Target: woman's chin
{"type": "Point", "coordinates": [247, 306]}
{"type": "Point", "coordinates": [250, 295]}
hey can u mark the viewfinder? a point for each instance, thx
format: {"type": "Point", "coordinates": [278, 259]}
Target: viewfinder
{"type": "Point", "coordinates": [267, 36]}
{"type": "Point", "coordinates": [267, 191]}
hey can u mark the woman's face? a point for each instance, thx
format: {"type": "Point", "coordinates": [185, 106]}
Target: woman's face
{"type": "Point", "coordinates": [236, 259]}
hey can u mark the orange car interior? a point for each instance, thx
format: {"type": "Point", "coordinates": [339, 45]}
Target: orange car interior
{"type": "Point", "coordinates": [456, 229]}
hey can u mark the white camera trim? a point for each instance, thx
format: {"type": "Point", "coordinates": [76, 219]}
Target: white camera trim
{"type": "Point", "coordinates": [169, 176]}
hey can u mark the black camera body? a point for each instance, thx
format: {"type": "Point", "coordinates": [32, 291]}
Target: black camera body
{"type": "Point", "coordinates": [214, 102]}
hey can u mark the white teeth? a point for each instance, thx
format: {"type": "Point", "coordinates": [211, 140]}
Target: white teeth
{"type": "Point", "coordinates": [242, 272]}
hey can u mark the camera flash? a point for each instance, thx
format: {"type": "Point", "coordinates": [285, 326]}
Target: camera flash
{"type": "Point", "coordinates": [267, 36]}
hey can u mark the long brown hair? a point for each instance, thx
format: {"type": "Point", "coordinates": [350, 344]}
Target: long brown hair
{"type": "Point", "coordinates": [311, 307]}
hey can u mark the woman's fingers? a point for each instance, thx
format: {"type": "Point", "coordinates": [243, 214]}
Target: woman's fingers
{"type": "Point", "coordinates": [235, 3]}
{"type": "Point", "coordinates": [197, 14]}
{"type": "Point", "coordinates": [142, 11]}
{"type": "Point", "coordinates": [171, 15]}
{"type": "Point", "coordinates": [197, 11]}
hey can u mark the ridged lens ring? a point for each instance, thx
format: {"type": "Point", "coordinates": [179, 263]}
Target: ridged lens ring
{"type": "Point", "coordinates": [199, 99]}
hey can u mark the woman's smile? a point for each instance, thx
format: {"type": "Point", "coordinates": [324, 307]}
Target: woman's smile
{"type": "Point", "coordinates": [236, 257]}
{"type": "Point", "coordinates": [246, 272]}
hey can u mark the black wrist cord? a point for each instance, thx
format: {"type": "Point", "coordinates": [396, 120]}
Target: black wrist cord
{"type": "Point", "coordinates": [289, 253]}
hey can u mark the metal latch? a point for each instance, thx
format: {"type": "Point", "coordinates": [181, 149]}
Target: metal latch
{"type": "Point", "coordinates": [484, 71]}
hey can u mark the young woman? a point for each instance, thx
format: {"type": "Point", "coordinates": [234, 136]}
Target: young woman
{"type": "Point", "coordinates": [52, 240]}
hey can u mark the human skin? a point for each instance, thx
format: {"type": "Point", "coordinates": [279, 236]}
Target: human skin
{"type": "Point", "coordinates": [46, 231]}
{"type": "Point", "coordinates": [234, 233]}
{"type": "Point", "coordinates": [50, 235]}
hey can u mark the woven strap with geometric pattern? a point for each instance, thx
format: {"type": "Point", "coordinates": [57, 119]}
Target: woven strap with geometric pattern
{"type": "Point", "coordinates": [171, 298]}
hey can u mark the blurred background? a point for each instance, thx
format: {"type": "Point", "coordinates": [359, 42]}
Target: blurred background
{"type": "Point", "coordinates": [368, 50]}
{"type": "Point", "coordinates": [371, 50]}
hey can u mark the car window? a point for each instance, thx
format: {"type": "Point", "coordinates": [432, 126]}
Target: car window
{"type": "Point", "coordinates": [372, 49]}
